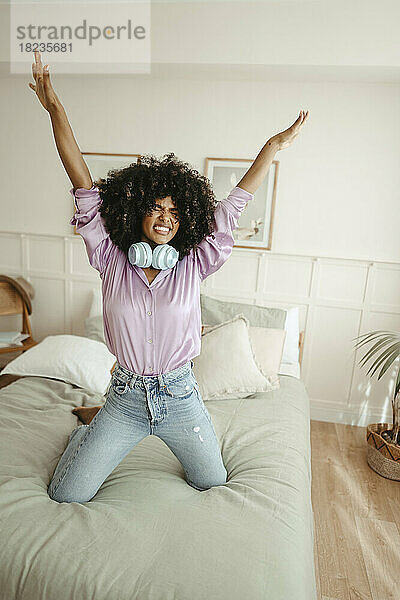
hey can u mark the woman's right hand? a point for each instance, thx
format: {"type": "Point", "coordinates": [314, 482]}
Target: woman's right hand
{"type": "Point", "coordinates": [43, 88]}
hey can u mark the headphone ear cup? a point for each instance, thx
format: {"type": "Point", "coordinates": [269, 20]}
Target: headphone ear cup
{"type": "Point", "coordinates": [164, 256]}
{"type": "Point", "coordinates": [149, 254]}
{"type": "Point", "coordinates": [140, 254]}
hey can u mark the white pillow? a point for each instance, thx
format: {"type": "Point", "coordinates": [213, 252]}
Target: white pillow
{"type": "Point", "coordinates": [292, 328]}
{"type": "Point", "coordinates": [227, 366]}
{"type": "Point", "coordinates": [78, 360]}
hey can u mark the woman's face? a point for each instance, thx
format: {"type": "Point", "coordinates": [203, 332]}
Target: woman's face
{"type": "Point", "coordinates": [165, 215]}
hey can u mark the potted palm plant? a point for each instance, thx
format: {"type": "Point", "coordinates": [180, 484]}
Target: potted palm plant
{"type": "Point", "coordinates": [382, 438]}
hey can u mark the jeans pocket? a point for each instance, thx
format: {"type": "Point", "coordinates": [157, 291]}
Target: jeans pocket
{"type": "Point", "coordinates": [181, 388]}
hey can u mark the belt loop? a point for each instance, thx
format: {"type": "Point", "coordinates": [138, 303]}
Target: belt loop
{"type": "Point", "coordinates": [132, 381]}
{"type": "Point", "coordinates": [161, 381]}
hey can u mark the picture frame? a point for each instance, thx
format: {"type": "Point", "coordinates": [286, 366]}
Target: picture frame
{"type": "Point", "coordinates": [100, 163]}
{"type": "Point", "coordinates": [255, 225]}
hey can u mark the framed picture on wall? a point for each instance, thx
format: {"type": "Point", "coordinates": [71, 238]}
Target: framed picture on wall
{"type": "Point", "coordinates": [100, 163]}
{"type": "Point", "coordinates": [255, 225]}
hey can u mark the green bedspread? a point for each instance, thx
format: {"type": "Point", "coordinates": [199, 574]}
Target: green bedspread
{"type": "Point", "coordinates": [147, 534]}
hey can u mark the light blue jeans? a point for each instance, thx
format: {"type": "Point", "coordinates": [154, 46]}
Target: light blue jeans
{"type": "Point", "coordinates": [167, 405]}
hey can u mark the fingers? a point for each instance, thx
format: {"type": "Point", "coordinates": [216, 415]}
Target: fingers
{"type": "Point", "coordinates": [299, 119]}
{"type": "Point", "coordinates": [38, 59]}
{"type": "Point", "coordinates": [46, 78]}
{"type": "Point", "coordinates": [34, 75]}
{"type": "Point", "coordinates": [304, 115]}
{"type": "Point", "coordinates": [302, 118]}
{"type": "Point", "coordinates": [37, 70]}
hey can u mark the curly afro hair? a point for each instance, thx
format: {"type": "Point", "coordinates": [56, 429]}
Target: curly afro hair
{"type": "Point", "coordinates": [128, 194]}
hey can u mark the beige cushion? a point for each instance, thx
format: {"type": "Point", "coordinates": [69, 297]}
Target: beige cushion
{"type": "Point", "coordinates": [268, 344]}
{"type": "Point", "coordinates": [227, 366]}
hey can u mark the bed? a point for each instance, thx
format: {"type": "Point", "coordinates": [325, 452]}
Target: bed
{"type": "Point", "coordinates": [147, 534]}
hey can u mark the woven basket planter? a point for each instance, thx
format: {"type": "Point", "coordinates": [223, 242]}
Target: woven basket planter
{"type": "Point", "coordinates": [383, 457]}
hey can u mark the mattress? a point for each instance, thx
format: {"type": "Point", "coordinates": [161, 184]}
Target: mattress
{"type": "Point", "coordinates": [147, 534]}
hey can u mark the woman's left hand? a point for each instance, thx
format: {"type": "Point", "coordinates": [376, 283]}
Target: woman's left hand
{"type": "Point", "coordinates": [285, 138]}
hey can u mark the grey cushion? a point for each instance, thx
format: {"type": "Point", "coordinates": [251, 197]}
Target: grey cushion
{"type": "Point", "coordinates": [215, 311]}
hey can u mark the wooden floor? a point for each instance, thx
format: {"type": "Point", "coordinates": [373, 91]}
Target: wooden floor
{"type": "Point", "coordinates": [356, 518]}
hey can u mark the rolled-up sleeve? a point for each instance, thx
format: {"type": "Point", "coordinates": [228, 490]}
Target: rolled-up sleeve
{"type": "Point", "coordinates": [210, 254]}
{"type": "Point", "coordinates": [90, 225]}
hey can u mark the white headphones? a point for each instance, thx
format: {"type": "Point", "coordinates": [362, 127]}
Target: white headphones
{"type": "Point", "coordinates": [162, 257]}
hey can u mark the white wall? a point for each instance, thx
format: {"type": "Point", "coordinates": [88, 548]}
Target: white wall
{"type": "Point", "coordinates": [225, 76]}
{"type": "Point", "coordinates": [338, 188]}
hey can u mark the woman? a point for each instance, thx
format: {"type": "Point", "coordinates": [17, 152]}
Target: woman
{"type": "Point", "coordinates": [154, 231]}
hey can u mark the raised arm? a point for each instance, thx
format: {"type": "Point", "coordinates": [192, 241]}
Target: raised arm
{"type": "Point", "coordinates": [253, 178]}
{"type": "Point", "coordinates": [212, 252]}
{"type": "Point", "coordinates": [68, 149]}
{"type": "Point", "coordinates": [87, 219]}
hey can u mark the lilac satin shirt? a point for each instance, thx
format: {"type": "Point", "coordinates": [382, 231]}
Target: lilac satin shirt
{"type": "Point", "coordinates": [154, 328]}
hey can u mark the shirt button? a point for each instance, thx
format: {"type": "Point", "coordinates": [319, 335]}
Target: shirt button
{"type": "Point", "coordinates": [149, 312]}
{"type": "Point", "coordinates": [150, 340]}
